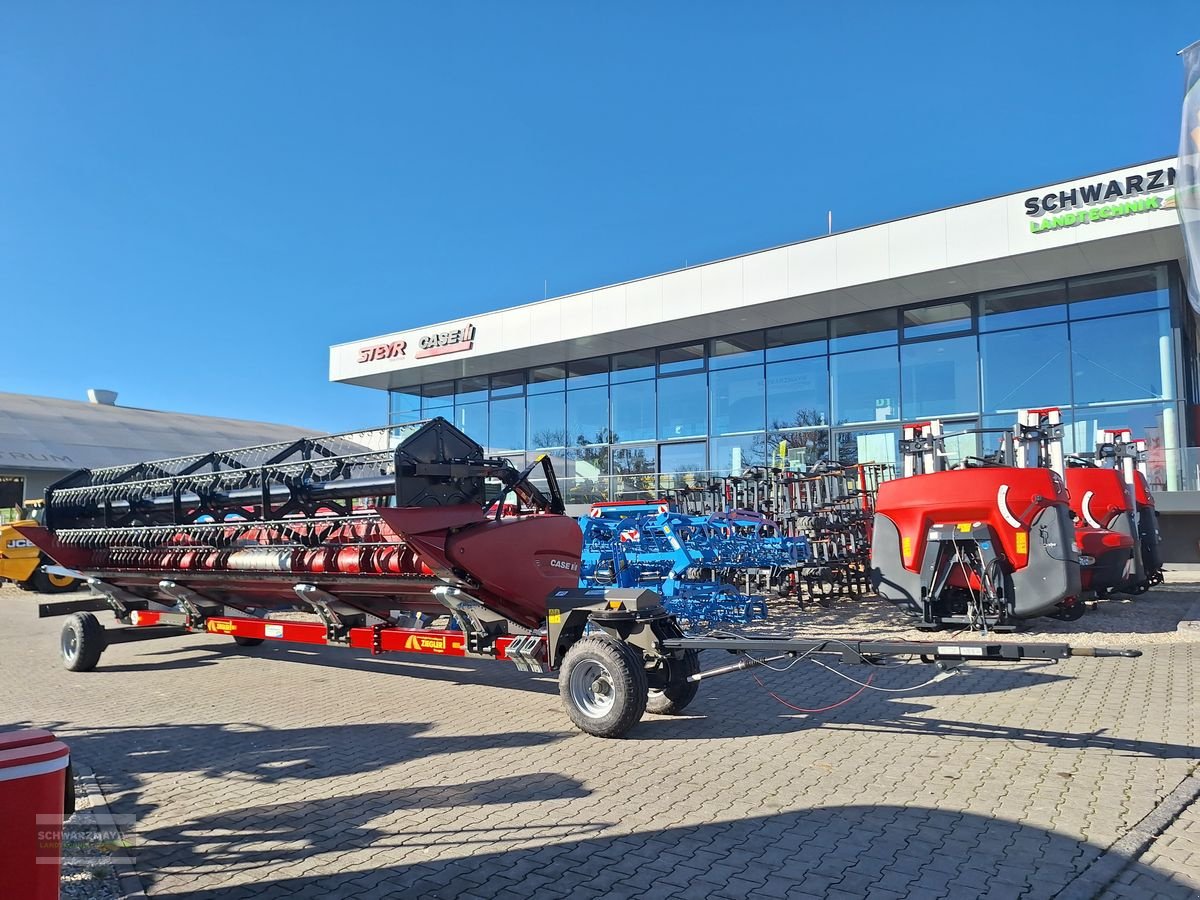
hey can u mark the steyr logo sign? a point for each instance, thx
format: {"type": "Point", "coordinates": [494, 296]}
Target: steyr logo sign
{"type": "Point", "coordinates": [394, 350]}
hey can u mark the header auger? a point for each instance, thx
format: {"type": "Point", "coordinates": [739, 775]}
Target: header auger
{"type": "Point", "coordinates": [408, 539]}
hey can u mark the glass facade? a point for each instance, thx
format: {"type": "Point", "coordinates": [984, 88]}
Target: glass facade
{"type": "Point", "coordinates": [1105, 348]}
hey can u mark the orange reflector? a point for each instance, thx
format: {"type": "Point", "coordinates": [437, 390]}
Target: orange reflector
{"type": "Point", "coordinates": [614, 604]}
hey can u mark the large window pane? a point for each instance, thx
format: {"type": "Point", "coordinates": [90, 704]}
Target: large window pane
{"type": "Point", "coordinates": [587, 416]}
{"type": "Point", "coordinates": [547, 421]}
{"type": "Point", "coordinates": [404, 405]}
{"type": "Point", "coordinates": [508, 425]}
{"type": "Point", "coordinates": [940, 318]}
{"type": "Point", "coordinates": [1025, 369]}
{"type": "Point", "coordinates": [683, 406]}
{"type": "Point", "coordinates": [1022, 306]}
{"type": "Point", "coordinates": [682, 465]}
{"type": "Point", "coordinates": [797, 341]}
{"type": "Point", "coordinates": [1103, 295]}
{"type": "Point", "coordinates": [437, 398]}
{"type": "Point", "coordinates": [472, 419]}
{"type": "Point", "coordinates": [869, 446]}
{"type": "Point", "coordinates": [633, 366]}
{"type": "Point", "coordinates": [798, 393]}
{"type": "Point", "coordinates": [798, 450]}
{"type": "Point", "coordinates": [866, 386]}
{"type": "Point", "coordinates": [940, 378]}
{"type": "Point", "coordinates": [861, 330]}
{"type": "Point", "coordinates": [733, 455]}
{"type": "Point", "coordinates": [633, 411]}
{"type": "Point", "coordinates": [687, 358]}
{"type": "Point", "coordinates": [737, 400]}
{"type": "Point", "coordinates": [1122, 358]}
{"type": "Point", "coordinates": [735, 350]}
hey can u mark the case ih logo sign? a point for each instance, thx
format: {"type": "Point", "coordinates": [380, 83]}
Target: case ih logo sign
{"type": "Point", "coordinates": [455, 341]}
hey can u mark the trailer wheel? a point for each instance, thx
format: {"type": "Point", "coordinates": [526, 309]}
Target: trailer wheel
{"type": "Point", "coordinates": [82, 642]}
{"type": "Point", "coordinates": [603, 686]}
{"type": "Point", "coordinates": [243, 641]}
{"type": "Point", "coordinates": [679, 692]}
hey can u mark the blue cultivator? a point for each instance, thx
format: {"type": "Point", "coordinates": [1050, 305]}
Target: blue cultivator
{"type": "Point", "coordinates": [707, 568]}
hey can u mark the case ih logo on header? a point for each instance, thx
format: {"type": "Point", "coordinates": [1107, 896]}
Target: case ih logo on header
{"type": "Point", "coordinates": [1101, 200]}
{"type": "Point", "coordinates": [455, 341]}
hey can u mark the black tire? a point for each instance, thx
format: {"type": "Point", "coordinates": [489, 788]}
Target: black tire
{"type": "Point", "coordinates": [43, 583]}
{"type": "Point", "coordinates": [82, 642]}
{"type": "Point", "coordinates": [674, 698]}
{"type": "Point", "coordinates": [242, 641]}
{"type": "Point", "coordinates": [603, 686]}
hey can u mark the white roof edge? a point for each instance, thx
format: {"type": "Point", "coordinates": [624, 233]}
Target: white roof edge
{"type": "Point", "coordinates": [820, 237]}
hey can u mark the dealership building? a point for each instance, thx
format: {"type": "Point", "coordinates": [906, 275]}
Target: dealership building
{"type": "Point", "coordinates": [1067, 295]}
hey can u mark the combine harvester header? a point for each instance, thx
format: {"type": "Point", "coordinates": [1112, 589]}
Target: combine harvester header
{"type": "Point", "coordinates": [382, 536]}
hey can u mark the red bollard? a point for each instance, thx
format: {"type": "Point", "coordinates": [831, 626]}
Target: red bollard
{"type": "Point", "coordinates": [33, 773]}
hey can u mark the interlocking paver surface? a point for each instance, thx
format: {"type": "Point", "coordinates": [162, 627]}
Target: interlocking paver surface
{"type": "Point", "coordinates": [293, 771]}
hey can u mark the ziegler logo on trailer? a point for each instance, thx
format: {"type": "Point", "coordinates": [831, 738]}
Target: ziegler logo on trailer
{"type": "Point", "coordinates": [454, 341]}
{"type": "Point", "coordinates": [425, 644]}
{"type": "Point", "coordinates": [382, 351]}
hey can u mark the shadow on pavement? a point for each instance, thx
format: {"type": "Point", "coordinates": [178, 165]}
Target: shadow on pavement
{"type": "Point", "coordinates": [242, 837]}
{"type": "Point", "coordinates": [846, 849]}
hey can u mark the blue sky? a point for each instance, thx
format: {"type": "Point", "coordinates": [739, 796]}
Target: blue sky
{"type": "Point", "coordinates": [196, 199]}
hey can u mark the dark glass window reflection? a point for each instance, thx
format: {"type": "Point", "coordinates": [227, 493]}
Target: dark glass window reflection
{"type": "Point", "coordinates": [866, 386]}
{"type": "Point", "coordinates": [547, 421]}
{"type": "Point", "coordinates": [1104, 295]}
{"type": "Point", "coordinates": [546, 379]}
{"type": "Point", "coordinates": [587, 416]}
{"type": "Point", "coordinates": [507, 425]}
{"type": "Point", "coordinates": [687, 358]}
{"type": "Point", "coordinates": [940, 318]}
{"type": "Point", "coordinates": [1022, 306]}
{"type": "Point", "coordinates": [683, 406]}
{"type": "Point", "coordinates": [1122, 358]}
{"type": "Point", "coordinates": [940, 378]}
{"type": "Point", "coordinates": [437, 398]}
{"type": "Point", "coordinates": [633, 411]}
{"type": "Point", "coordinates": [735, 350]}
{"type": "Point", "coordinates": [798, 393]}
{"type": "Point", "coordinates": [876, 328]}
{"type": "Point", "coordinates": [1025, 369]}
{"type": "Point", "coordinates": [737, 400]}
{"type": "Point", "coordinates": [797, 341]}
{"type": "Point", "coordinates": [633, 366]}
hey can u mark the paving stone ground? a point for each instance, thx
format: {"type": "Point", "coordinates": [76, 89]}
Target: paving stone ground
{"type": "Point", "coordinates": [284, 772]}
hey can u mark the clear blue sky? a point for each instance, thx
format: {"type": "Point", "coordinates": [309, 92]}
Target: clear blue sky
{"type": "Point", "coordinates": [196, 199]}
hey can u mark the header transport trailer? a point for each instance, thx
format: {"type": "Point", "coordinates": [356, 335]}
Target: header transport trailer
{"type": "Point", "coordinates": [384, 536]}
